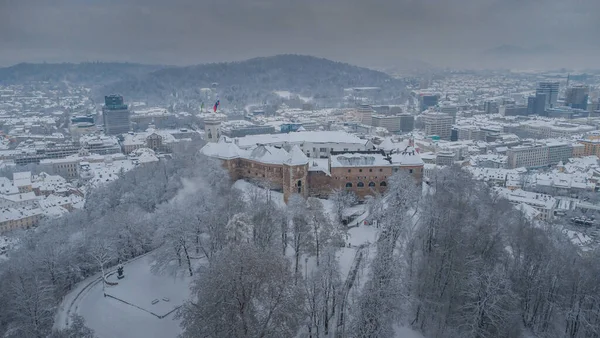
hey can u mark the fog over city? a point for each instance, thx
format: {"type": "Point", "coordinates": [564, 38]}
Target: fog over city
{"type": "Point", "coordinates": [378, 33]}
{"type": "Point", "coordinates": [299, 168]}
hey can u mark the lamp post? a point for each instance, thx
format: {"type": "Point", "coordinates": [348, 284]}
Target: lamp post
{"type": "Point", "coordinates": [306, 267]}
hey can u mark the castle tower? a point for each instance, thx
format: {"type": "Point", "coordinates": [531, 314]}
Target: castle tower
{"type": "Point", "coordinates": [212, 129]}
{"type": "Point", "coordinates": [295, 172]}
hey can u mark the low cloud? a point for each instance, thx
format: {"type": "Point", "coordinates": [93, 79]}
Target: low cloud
{"type": "Point", "coordinates": [372, 33]}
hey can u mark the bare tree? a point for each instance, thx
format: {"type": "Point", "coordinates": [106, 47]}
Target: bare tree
{"type": "Point", "coordinates": [300, 228]}
{"type": "Point", "coordinates": [342, 199]}
{"type": "Point", "coordinates": [377, 306]}
{"type": "Point", "coordinates": [244, 292]}
{"type": "Point", "coordinates": [322, 287]}
{"type": "Point", "coordinates": [102, 253]}
{"type": "Point", "coordinates": [77, 329]}
{"type": "Point", "coordinates": [174, 240]}
{"type": "Point", "coordinates": [324, 233]}
{"type": "Point", "coordinates": [31, 304]}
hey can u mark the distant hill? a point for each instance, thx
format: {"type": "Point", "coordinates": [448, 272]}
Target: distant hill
{"type": "Point", "coordinates": [254, 80]}
{"type": "Point", "coordinates": [516, 51]}
{"type": "Point", "coordinates": [239, 83]}
{"type": "Point", "coordinates": [89, 73]}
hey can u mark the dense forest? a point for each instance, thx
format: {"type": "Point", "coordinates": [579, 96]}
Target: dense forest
{"type": "Point", "coordinates": [253, 80]}
{"type": "Point", "coordinates": [235, 83]}
{"type": "Point", "coordinates": [452, 260]}
{"type": "Point", "coordinates": [91, 74]}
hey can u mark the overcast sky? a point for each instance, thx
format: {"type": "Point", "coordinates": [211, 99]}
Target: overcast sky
{"type": "Point", "coordinates": [364, 32]}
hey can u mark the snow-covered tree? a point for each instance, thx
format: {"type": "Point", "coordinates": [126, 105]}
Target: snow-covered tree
{"type": "Point", "coordinates": [244, 292]}
{"type": "Point", "coordinates": [30, 303]}
{"type": "Point", "coordinates": [378, 305]}
{"type": "Point", "coordinates": [102, 252]}
{"type": "Point", "coordinates": [76, 329]}
{"type": "Point", "coordinates": [301, 231]}
{"type": "Point", "coordinates": [342, 199]}
{"type": "Point", "coordinates": [323, 232]}
{"type": "Point", "coordinates": [239, 229]}
{"type": "Point", "coordinates": [174, 240]}
{"type": "Point", "coordinates": [322, 287]}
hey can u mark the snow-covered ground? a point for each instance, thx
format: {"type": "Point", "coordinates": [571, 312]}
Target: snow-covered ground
{"type": "Point", "coordinates": [405, 332]}
{"type": "Point", "coordinates": [109, 317]}
{"type": "Point", "coordinates": [141, 287]}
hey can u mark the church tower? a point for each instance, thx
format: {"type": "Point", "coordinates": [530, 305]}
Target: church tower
{"type": "Point", "coordinates": [212, 130]}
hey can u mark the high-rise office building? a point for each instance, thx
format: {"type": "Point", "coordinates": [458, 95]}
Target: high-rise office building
{"type": "Point", "coordinates": [491, 107]}
{"type": "Point", "coordinates": [115, 115]}
{"type": "Point", "coordinates": [541, 103]}
{"type": "Point", "coordinates": [407, 123]}
{"type": "Point", "coordinates": [577, 97]}
{"type": "Point", "coordinates": [426, 101]}
{"type": "Point", "coordinates": [531, 105]}
{"type": "Point", "coordinates": [513, 110]}
{"type": "Point", "coordinates": [365, 113]}
{"type": "Point", "coordinates": [551, 91]}
{"type": "Point", "coordinates": [391, 123]}
{"type": "Point", "coordinates": [536, 105]}
{"type": "Point", "coordinates": [439, 124]}
{"type": "Point", "coordinates": [395, 123]}
{"type": "Point", "coordinates": [450, 110]}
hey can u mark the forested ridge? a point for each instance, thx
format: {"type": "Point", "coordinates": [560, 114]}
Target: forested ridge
{"type": "Point", "coordinates": [452, 261]}
{"type": "Point", "coordinates": [254, 80]}
{"type": "Point", "coordinates": [236, 84]}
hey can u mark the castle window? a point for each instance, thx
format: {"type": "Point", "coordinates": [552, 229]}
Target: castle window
{"type": "Point", "coordinates": [383, 184]}
{"type": "Point", "coordinates": [371, 184]}
{"type": "Point", "coordinates": [299, 183]}
{"type": "Point", "coordinates": [370, 170]}
{"type": "Point", "coordinates": [348, 185]}
{"type": "Point", "coordinates": [360, 170]}
{"type": "Point", "coordinates": [349, 170]}
{"type": "Point", "coordinates": [410, 171]}
{"type": "Point", "coordinates": [360, 185]}
{"type": "Point", "coordinates": [380, 170]}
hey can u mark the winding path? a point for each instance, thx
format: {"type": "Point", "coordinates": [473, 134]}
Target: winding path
{"type": "Point", "coordinates": [70, 302]}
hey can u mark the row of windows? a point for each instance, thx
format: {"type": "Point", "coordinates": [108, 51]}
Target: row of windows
{"type": "Point", "coordinates": [322, 150]}
{"type": "Point", "coordinates": [381, 170]}
{"type": "Point", "coordinates": [362, 185]}
{"type": "Point", "coordinates": [262, 168]}
{"type": "Point", "coordinates": [359, 177]}
{"type": "Point", "coordinates": [360, 170]}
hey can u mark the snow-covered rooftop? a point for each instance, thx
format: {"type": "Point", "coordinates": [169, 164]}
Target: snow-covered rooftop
{"type": "Point", "coordinates": [404, 158]}
{"type": "Point", "coordinates": [296, 157]}
{"type": "Point", "coordinates": [299, 138]}
{"type": "Point", "coordinates": [22, 178]}
{"type": "Point", "coordinates": [223, 149]}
